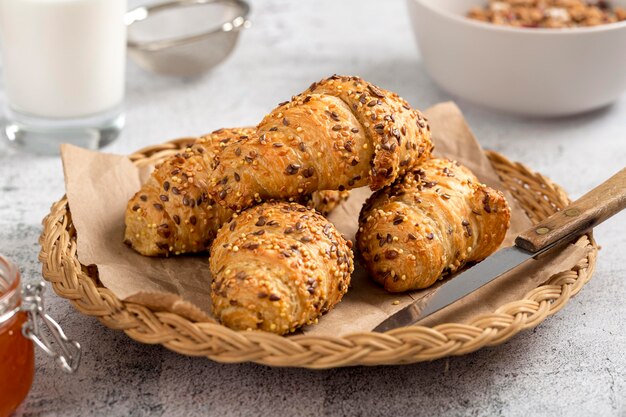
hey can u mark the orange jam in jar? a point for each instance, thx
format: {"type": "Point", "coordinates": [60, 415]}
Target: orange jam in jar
{"type": "Point", "coordinates": [17, 360]}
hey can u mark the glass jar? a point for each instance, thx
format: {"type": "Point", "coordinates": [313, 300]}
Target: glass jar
{"type": "Point", "coordinates": [16, 351]}
{"type": "Point", "coordinates": [22, 324]}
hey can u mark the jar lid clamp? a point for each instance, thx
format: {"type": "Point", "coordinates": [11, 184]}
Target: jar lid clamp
{"type": "Point", "coordinates": [66, 352]}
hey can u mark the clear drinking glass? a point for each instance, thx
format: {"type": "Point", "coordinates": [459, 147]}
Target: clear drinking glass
{"type": "Point", "coordinates": [63, 64]}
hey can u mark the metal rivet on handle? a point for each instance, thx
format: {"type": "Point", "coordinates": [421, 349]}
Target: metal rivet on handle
{"type": "Point", "coordinates": [542, 230]}
{"type": "Point", "coordinates": [572, 212]}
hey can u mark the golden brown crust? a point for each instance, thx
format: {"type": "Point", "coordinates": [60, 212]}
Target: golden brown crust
{"type": "Point", "coordinates": [341, 133]}
{"type": "Point", "coordinates": [173, 212]}
{"type": "Point", "coordinates": [276, 267]}
{"type": "Point", "coordinates": [400, 134]}
{"type": "Point", "coordinates": [432, 221]}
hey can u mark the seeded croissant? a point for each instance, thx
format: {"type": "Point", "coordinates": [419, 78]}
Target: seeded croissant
{"type": "Point", "coordinates": [276, 267]}
{"type": "Point", "coordinates": [433, 221]}
{"type": "Point", "coordinates": [341, 133]}
{"type": "Point", "coordinates": [174, 213]}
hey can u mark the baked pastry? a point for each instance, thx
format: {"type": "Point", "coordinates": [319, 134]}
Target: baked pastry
{"type": "Point", "coordinates": [173, 212]}
{"type": "Point", "coordinates": [278, 266]}
{"type": "Point", "coordinates": [431, 222]}
{"type": "Point", "coordinates": [341, 133]}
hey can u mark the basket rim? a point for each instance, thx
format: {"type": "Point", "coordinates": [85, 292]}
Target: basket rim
{"type": "Point", "coordinates": [78, 283]}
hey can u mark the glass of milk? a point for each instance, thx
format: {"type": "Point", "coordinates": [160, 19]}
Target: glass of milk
{"type": "Point", "coordinates": [63, 63]}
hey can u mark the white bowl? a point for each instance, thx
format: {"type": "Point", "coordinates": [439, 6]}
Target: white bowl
{"type": "Point", "coordinates": [534, 72]}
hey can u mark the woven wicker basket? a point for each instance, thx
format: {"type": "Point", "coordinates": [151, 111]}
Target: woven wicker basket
{"type": "Point", "coordinates": [80, 284]}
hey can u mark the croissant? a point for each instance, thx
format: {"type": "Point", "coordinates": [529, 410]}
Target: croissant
{"type": "Point", "coordinates": [432, 221]}
{"type": "Point", "coordinates": [174, 213]}
{"type": "Point", "coordinates": [341, 133]}
{"type": "Point", "coordinates": [278, 266]}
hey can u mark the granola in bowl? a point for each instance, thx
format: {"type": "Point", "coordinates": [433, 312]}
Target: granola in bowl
{"type": "Point", "coordinates": [548, 13]}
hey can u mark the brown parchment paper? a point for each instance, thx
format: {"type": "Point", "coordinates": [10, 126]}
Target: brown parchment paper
{"type": "Point", "coordinates": [99, 185]}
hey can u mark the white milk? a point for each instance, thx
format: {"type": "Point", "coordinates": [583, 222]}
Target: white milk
{"type": "Point", "coordinates": [63, 58]}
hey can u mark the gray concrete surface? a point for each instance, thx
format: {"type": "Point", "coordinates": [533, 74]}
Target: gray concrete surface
{"type": "Point", "coordinates": [573, 364]}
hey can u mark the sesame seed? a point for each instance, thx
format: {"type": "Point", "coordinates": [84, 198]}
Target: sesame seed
{"type": "Point", "coordinates": [375, 91]}
{"type": "Point", "coordinates": [292, 169]}
{"type": "Point", "coordinates": [486, 205]}
{"type": "Point", "coordinates": [391, 254]}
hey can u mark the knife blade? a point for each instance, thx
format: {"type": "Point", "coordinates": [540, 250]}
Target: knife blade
{"type": "Point", "coordinates": [497, 264]}
{"type": "Point", "coordinates": [585, 213]}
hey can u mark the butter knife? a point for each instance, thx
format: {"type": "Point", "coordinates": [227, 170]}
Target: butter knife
{"type": "Point", "coordinates": [593, 208]}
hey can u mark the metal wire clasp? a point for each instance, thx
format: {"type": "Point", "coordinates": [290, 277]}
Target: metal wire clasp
{"type": "Point", "coordinates": [65, 352]}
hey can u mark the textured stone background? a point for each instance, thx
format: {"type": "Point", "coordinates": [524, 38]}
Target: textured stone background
{"type": "Point", "coordinates": [572, 364]}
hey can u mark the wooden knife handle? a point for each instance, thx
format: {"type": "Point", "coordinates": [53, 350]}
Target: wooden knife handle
{"type": "Point", "coordinates": [588, 211]}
